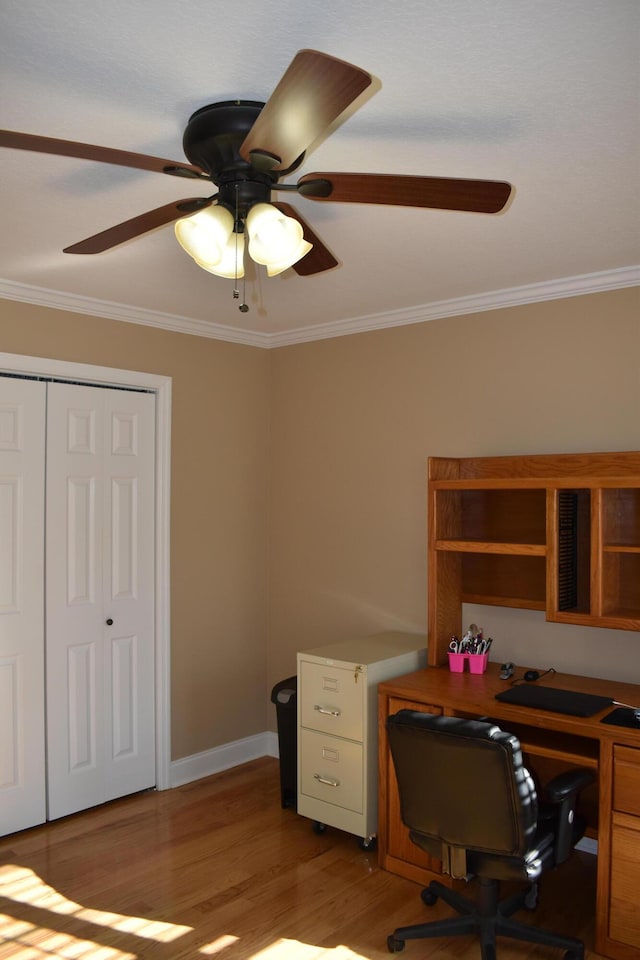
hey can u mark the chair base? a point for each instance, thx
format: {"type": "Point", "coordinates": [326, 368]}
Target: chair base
{"type": "Point", "coordinates": [487, 917]}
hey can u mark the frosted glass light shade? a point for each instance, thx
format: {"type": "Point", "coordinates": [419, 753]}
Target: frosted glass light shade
{"type": "Point", "coordinates": [274, 268]}
{"type": "Point", "coordinates": [275, 240]}
{"type": "Point", "coordinates": [205, 235]}
{"type": "Point", "coordinates": [231, 263]}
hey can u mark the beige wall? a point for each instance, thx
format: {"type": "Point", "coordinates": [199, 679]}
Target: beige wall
{"type": "Point", "coordinates": [353, 422]}
{"type": "Point", "coordinates": [298, 478]}
{"type": "Point", "coordinates": [220, 440]}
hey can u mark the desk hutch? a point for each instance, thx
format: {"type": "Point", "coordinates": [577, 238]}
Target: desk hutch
{"type": "Point", "coordinates": [560, 534]}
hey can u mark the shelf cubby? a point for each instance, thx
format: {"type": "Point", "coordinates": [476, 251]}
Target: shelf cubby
{"type": "Point", "coordinates": [621, 518]}
{"type": "Point", "coordinates": [491, 517]}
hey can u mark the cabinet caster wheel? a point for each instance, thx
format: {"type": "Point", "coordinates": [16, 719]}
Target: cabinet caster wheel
{"type": "Point", "coordinates": [367, 843]}
{"type": "Point", "coordinates": [319, 827]}
{"type": "Point", "coordinates": [394, 945]}
{"type": "Point", "coordinates": [428, 897]}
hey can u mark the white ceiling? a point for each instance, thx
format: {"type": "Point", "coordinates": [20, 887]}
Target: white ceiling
{"type": "Point", "coordinates": [544, 94]}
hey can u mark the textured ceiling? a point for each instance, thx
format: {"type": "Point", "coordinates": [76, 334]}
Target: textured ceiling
{"type": "Point", "coordinates": [545, 95]}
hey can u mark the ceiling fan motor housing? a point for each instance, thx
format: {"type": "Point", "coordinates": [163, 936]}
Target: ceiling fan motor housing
{"type": "Point", "coordinates": [212, 141]}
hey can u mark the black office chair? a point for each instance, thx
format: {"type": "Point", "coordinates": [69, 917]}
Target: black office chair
{"type": "Point", "coordinates": [469, 801]}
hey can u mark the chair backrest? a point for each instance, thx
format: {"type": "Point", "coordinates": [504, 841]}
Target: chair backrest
{"type": "Point", "coordinates": [462, 783]}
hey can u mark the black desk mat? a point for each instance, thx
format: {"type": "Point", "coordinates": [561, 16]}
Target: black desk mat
{"type": "Point", "coordinates": [623, 717]}
{"type": "Point", "coordinates": [554, 699]}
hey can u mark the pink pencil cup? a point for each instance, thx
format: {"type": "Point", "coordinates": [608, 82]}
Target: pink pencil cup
{"type": "Point", "coordinates": [477, 662]}
{"type": "Point", "coordinates": [456, 662]}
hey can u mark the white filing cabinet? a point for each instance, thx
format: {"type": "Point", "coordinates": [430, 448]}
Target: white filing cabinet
{"type": "Point", "coordinates": [338, 726]}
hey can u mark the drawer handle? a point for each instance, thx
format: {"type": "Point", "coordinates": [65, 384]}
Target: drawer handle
{"type": "Point", "coordinates": [326, 713]}
{"type": "Point", "coordinates": [329, 783]}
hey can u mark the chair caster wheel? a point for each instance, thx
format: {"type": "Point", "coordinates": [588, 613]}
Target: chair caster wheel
{"type": "Point", "coordinates": [393, 945]}
{"type": "Point", "coordinates": [574, 955]}
{"type": "Point", "coordinates": [428, 897]}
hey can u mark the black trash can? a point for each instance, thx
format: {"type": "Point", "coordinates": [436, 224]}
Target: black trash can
{"type": "Point", "coordinates": [285, 697]}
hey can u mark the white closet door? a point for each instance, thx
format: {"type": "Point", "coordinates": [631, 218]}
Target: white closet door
{"type": "Point", "coordinates": [22, 766]}
{"type": "Point", "coordinates": [100, 595]}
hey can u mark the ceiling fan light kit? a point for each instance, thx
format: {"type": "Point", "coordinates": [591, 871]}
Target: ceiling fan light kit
{"type": "Point", "coordinates": [216, 241]}
{"type": "Point", "coordinates": [245, 147]}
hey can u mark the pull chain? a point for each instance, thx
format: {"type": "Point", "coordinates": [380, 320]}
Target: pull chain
{"type": "Point", "coordinates": [236, 292]}
{"type": "Point", "coordinates": [243, 307]}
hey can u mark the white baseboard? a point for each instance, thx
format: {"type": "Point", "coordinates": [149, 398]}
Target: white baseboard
{"type": "Point", "coordinates": [222, 758]}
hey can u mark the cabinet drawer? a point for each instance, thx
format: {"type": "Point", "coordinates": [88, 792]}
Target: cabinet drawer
{"type": "Point", "coordinates": [626, 780]}
{"type": "Point", "coordinates": [332, 699]}
{"type": "Point", "coordinates": [331, 770]}
{"type": "Point", "coordinates": [624, 919]}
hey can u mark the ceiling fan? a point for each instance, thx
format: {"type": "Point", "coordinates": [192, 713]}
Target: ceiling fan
{"type": "Point", "coordinates": [245, 147]}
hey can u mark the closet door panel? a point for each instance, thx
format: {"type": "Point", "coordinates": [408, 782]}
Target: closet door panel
{"type": "Point", "coordinates": [128, 588]}
{"type": "Point", "coordinates": [22, 761]}
{"type": "Point", "coordinates": [100, 584]}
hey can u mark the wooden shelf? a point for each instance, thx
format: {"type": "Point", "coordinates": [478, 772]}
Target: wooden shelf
{"type": "Point", "coordinates": [488, 546]}
{"type": "Point", "coordinates": [625, 613]}
{"type": "Point", "coordinates": [520, 603]}
{"type": "Point", "coordinates": [559, 533]}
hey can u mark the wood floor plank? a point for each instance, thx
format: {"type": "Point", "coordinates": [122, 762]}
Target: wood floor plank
{"type": "Point", "coordinates": [217, 869]}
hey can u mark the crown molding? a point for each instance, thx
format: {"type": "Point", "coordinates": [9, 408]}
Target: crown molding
{"type": "Point", "coordinates": [478, 303]}
{"type": "Point", "coordinates": [10, 290]}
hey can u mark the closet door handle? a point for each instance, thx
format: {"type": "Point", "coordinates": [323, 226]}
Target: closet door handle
{"type": "Point", "coordinates": [109, 622]}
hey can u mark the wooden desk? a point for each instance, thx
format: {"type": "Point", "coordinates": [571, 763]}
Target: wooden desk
{"type": "Point", "coordinates": [553, 742]}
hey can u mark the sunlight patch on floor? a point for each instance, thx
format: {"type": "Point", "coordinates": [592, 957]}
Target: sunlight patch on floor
{"type": "Point", "coordinates": [36, 941]}
{"type": "Point", "coordinates": [221, 943]}
{"type": "Point", "coordinates": [294, 950]}
{"type": "Point", "coordinates": [25, 887]}
{"type": "Point", "coordinates": [29, 941]}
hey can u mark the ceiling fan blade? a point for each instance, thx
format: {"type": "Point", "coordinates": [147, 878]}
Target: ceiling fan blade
{"type": "Point", "coordinates": [314, 90]}
{"type": "Point", "coordinates": [88, 151]}
{"type": "Point", "coordinates": [442, 193]}
{"type": "Point", "coordinates": [139, 225]}
{"type": "Point", "coordinates": [319, 257]}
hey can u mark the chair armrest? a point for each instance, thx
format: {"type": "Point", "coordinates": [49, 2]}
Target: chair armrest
{"type": "Point", "coordinates": [562, 793]}
{"type": "Point", "coordinates": [568, 783]}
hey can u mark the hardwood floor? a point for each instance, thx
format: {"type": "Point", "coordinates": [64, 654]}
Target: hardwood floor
{"type": "Point", "coordinates": [217, 869]}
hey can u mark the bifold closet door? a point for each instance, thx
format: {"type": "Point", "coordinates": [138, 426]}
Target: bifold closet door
{"type": "Point", "coordinates": [99, 595]}
{"type": "Point", "coordinates": [22, 760]}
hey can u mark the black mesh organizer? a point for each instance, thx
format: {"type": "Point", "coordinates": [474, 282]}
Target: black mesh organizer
{"type": "Point", "coordinates": [552, 698]}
